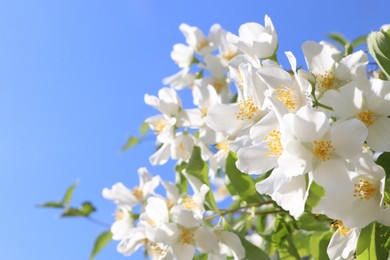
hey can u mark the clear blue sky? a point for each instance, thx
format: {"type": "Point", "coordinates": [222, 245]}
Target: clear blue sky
{"type": "Point", "coordinates": [72, 78]}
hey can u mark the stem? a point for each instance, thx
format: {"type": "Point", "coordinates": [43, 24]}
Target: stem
{"type": "Point", "coordinates": [223, 212]}
{"type": "Point", "coordinates": [97, 222]}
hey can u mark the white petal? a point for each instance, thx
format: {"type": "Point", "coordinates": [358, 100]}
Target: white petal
{"type": "Point", "coordinates": [343, 246]}
{"type": "Point", "coordinates": [348, 137]}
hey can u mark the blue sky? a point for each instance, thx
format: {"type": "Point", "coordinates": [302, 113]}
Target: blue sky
{"type": "Point", "coordinates": [72, 78]}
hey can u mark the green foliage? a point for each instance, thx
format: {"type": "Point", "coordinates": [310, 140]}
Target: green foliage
{"type": "Point", "coordinates": [69, 194]}
{"type": "Point", "coordinates": [343, 42]}
{"type": "Point", "coordinates": [252, 251]}
{"type": "Point", "coordinates": [310, 222]}
{"type": "Point", "coordinates": [199, 169]}
{"type": "Point", "coordinates": [65, 200]}
{"type": "Point", "coordinates": [373, 242]}
{"type": "Point", "coordinates": [384, 161]}
{"type": "Point", "coordinates": [282, 239]}
{"type": "Point", "coordinates": [242, 183]}
{"type": "Point", "coordinates": [134, 140]}
{"type": "Point", "coordinates": [379, 48]}
{"type": "Point", "coordinates": [131, 141]}
{"type": "Point", "coordinates": [319, 243]}
{"type": "Point", "coordinates": [181, 180]}
{"type": "Point", "coordinates": [316, 192]}
{"type": "Point", "coordinates": [101, 241]}
{"type": "Point", "coordinates": [86, 209]}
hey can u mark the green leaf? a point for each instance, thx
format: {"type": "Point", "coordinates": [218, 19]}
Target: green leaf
{"type": "Point", "coordinates": [131, 141]}
{"type": "Point", "coordinates": [68, 194]}
{"type": "Point", "coordinates": [181, 181]}
{"type": "Point", "coordinates": [101, 241]}
{"type": "Point", "coordinates": [252, 251]}
{"type": "Point", "coordinates": [359, 40]}
{"type": "Point", "coordinates": [319, 242]}
{"type": "Point", "coordinates": [199, 169]}
{"type": "Point", "coordinates": [311, 222]}
{"type": "Point", "coordinates": [51, 204]}
{"type": "Point", "coordinates": [84, 211]}
{"type": "Point", "coordinates": [379, 47]}
{"type": "Point", "coordinates": [384, 161]}
{"type": "Point", "coordinates": [200, 257]}
{"type": "Point", "coordinates": [339, 38]}
{"type": "Point", "coordinates": [373, 242]}
{"type": "Point", "coordinates": [243, 183]}
{"type": "Point", "coordinates": [282, 239]}
{"type": "Point", "coordinates": [316, 192]}
{"type": "Point", "coordinates": [144, 128]}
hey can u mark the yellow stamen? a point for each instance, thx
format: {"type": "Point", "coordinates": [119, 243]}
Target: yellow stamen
{"type": "Point", "coordinates": [326, 81]}
{"type": "Point", "coordinates": [364, 190]}
{"type": "Point", "coordinates": [228, 55]}
{"type": "Point", "coordinates": [247, 109]}
{"type": "Point", "coordinates": [218, 86]}
{"type": "Point", "coordinates": [189, 203]}
{"type": "Point", "coordinates": [367, 117]}
{"type": "Point", "coordinates": [286, 97]}
{"type": "Point", "coordinates": [119, 215]}
{"type": "Point", "coordinates": [155, 249]}
{"type": "Point", "coordinates": [202, 44]}
{"type": "Point", "coordinates": [224, 146]}
{"type": "Point", "coordinates": [340, 227]}
{"type": "Point", "coordinates": [186, 237]}
{"type": "Point", "coordinates": [204, 111]}
{"type": "Point", "coordinates": [159, 126]}
{"type": "Point", "coordinates": [274, 144]}
{"type": "Point", "coordinates": [323, 150]}
{"type": "Point", "coordinates": [138, 193]}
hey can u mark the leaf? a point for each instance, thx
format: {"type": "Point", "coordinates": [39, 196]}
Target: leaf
{"type": "Point", "coordinates": [181, 181]}
{"type": "Point", "coordinates": [84, 211]}
{"type": "Point", "coordinates": [316, 192]}
{"type": "Point", "coordinates": [373, 242]}
{"type": "Point", "coordinates": [282, 239]}
{"type": "Point", "coordinates": [131, 141]}
{"type": "Point", "coordinates": [379, 47]}
{"type": "Point", "coordinates": [243, 184]}
{"type": "Point", "coordinates": [199, 169]}
{"type": "Point", "coordinates": [319, 242]}
{"type": "Point", "coordinates": [101, 241]}
{"type": "Point", "coordinates": [68, 194]}
{"type": "Point", "coordinates": [384, 161]}
{"type": "Point", "coordinates": [143, 129]}
{"type": "Point", "coordinates": [339, 38]}
{"type": "Point", "coordinates": [310, 222]}
{"type": "Point", "coordinates": [252, 251]}
{"type": "Point", "coordinates": [359, 40]}
{"type": "Point", "coordinates": [51, 204]}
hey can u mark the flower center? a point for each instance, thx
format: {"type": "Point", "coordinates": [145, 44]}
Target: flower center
{"type": "Point", "coordinates": [247, 109]}
{"type": "Point", "coordinates": [204, 111]}
{"type": "Point", "coordinates": [137, 192]}
{"type": "Point", "coordinates": [202, 44]}
{"type": "Point", "coordinates": [364, 190]}
{"type": "Point", "coordinates": [186, 237]}
{"type": "Point", "coordinates": [274, 144]}
{"type": "Point", "coordinates": [224, 146]}
{"type": "Point", "coordinates": [326, 81]}
{"type": "Point", "coordinates": [340, 227]}
{"type": "Point", "coordinates": [286, 97]}
{"type": "Point", "coordinates": [159, 126]}
{"type": "Point", "coordinates": [119, 215]}
{"type": "Point", "coordinates": [189, 203]}
{"type": "Point", "coordinates": [323, 149]}
{"type": "Point", "coordinates": [228, 55]}
{"type": "Point", "coordinates": [367, 117]}
{"type": "Point", "coordinates": [155, 249]}
{"type": "Point", "coordinates": [218, 86]}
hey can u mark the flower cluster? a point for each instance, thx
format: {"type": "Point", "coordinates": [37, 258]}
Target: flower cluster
{"type": "Point", "coordinates": [289, 131]}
